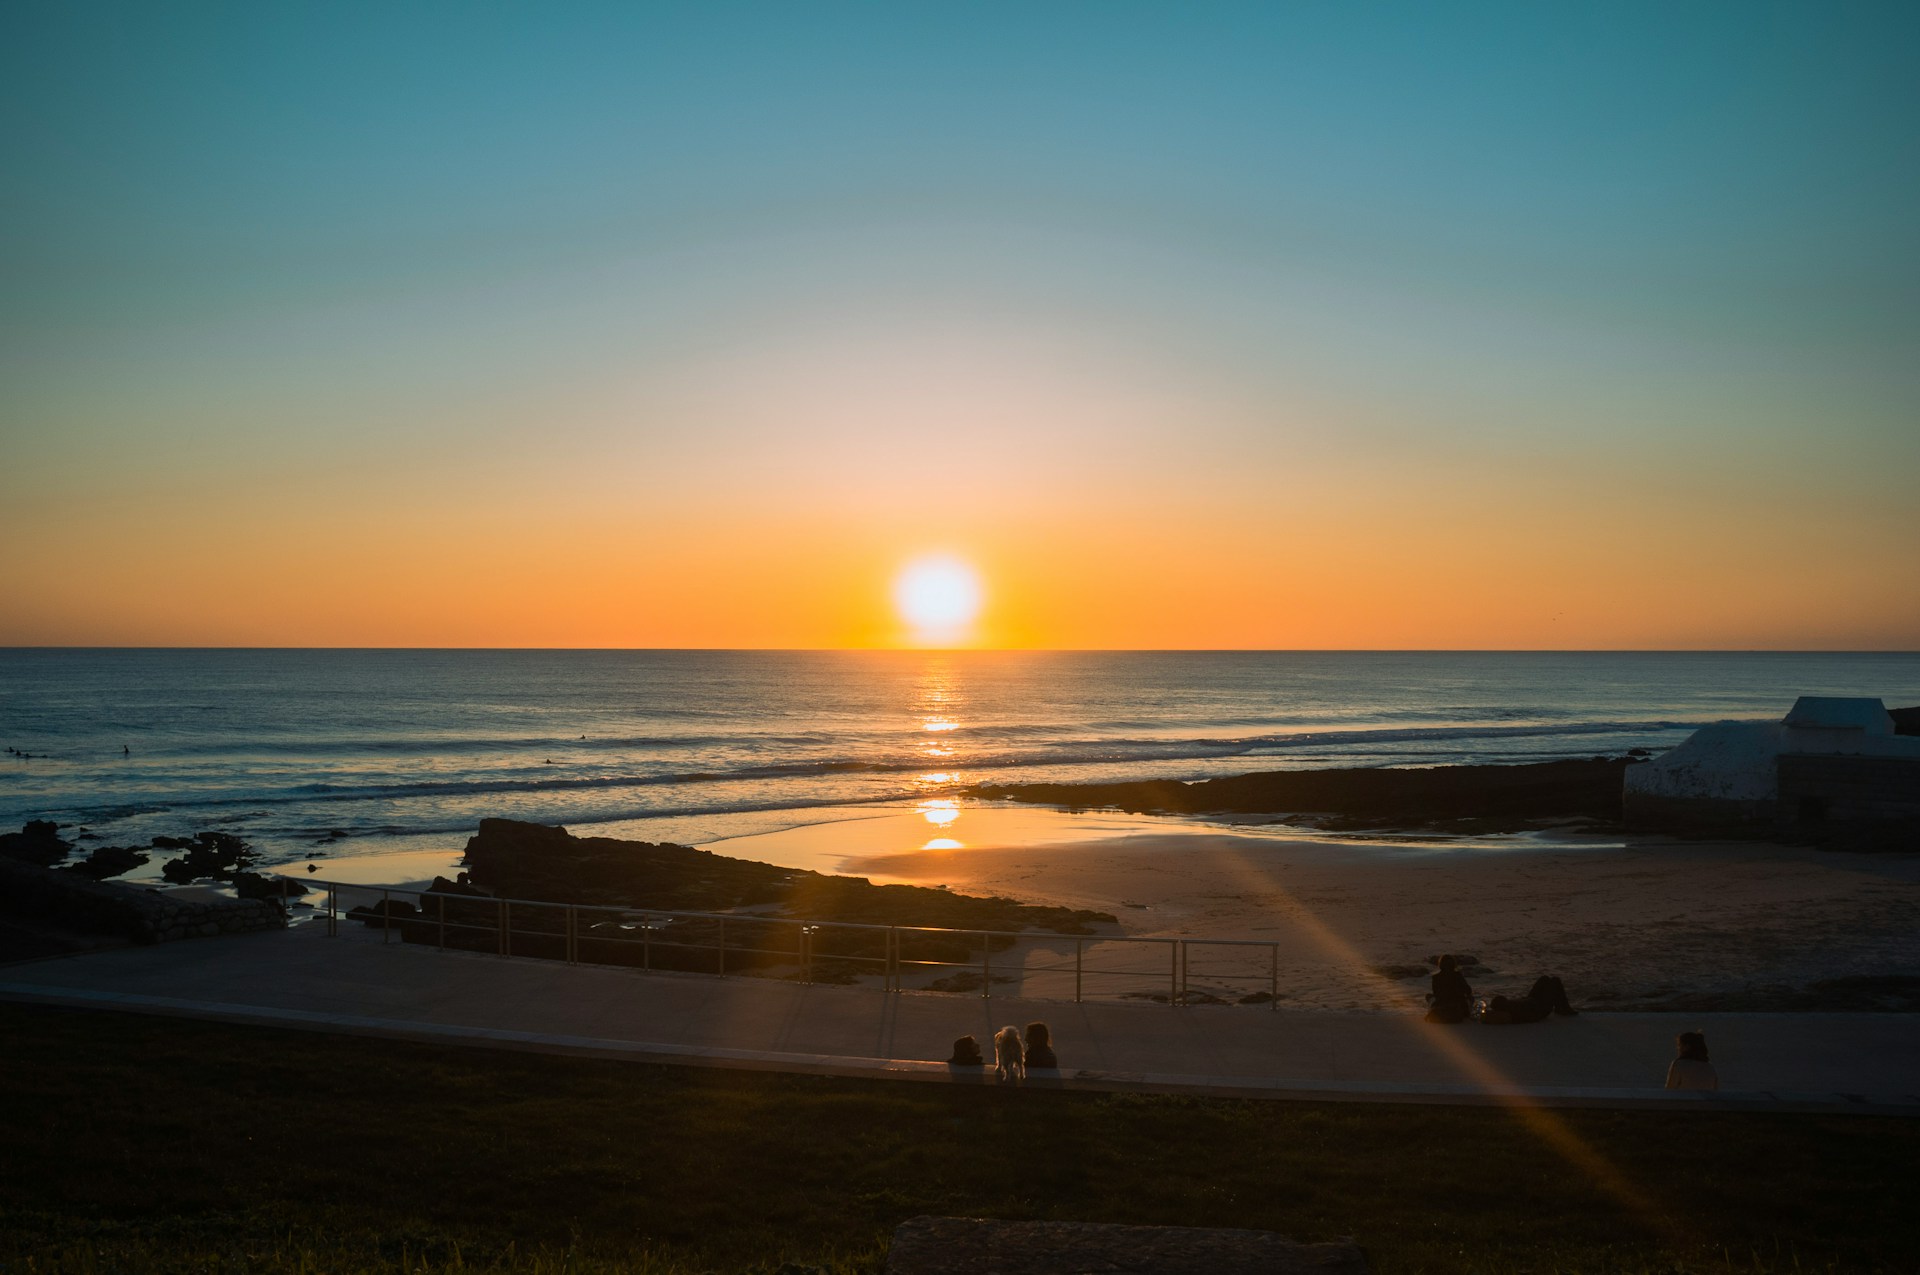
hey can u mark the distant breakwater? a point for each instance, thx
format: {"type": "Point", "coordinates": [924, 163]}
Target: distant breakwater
{"type": "Point", "coordinates": [1489, 796]}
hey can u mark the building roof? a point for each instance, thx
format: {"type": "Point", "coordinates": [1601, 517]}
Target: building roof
{"type": "Point", "coordinates": [1830, 712]}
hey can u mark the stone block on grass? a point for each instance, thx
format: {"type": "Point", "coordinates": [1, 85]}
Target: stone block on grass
{"type": "Point", "coordinates": [976, 1246]}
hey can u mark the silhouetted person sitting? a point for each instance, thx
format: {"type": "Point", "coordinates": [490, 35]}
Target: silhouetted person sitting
{"type": "Point", "coordinates": [966, 1053]}
{"type": "Point", "coordinates": [1040, 1047]}
{"type": "Point", "coordinates": [1691, 1070]}
{"type": "Point", "coordinates": [1548, 995]}
{"type": "Point", "coordinates": [1452, 998]}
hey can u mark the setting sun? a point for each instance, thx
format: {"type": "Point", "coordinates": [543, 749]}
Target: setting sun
{"type": "Point", "coordinates": [939, 598]}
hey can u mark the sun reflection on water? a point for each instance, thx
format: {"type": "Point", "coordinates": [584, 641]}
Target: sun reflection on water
{"type": "Point", "coordinates": [939, 811]}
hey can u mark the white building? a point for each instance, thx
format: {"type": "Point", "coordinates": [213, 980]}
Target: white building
{"type": "Point", "coordinates": [1795, 769]}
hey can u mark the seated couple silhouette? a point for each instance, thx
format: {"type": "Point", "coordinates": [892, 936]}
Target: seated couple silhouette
{"type": "Point", "coordinates": [1011, 1059]}
{"type": "Point", "coordinates": [1452, 1000]}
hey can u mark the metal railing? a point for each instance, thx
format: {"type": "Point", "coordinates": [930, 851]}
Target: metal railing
{"type": "Point", "coordinates": [1173, 971]}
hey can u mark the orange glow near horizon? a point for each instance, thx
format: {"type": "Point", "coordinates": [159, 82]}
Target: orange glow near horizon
{"type": "Point", "coordinates": [1429, 561]}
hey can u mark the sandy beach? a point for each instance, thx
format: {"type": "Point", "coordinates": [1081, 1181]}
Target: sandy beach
{"type": "Point", "coordinates": [1626, 922]}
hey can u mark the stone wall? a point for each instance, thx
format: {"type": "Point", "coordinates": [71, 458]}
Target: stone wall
{"type": "Point", "coordinates": [1815, 789]}
{"type": "Point", "coordinates": [145, 916]}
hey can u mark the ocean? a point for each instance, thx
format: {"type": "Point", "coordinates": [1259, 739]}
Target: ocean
{"type": "Point", "coordinates": [408, 749]}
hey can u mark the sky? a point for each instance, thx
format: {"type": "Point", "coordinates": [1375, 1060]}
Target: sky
{"type": "Point", "coordinates": [1196, 325]}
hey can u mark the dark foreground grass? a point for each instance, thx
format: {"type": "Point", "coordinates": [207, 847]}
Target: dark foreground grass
{"type": "Point", "coordinates": [132, 1143]}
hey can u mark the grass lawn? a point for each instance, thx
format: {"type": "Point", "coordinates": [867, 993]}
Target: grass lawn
{"type": "Point", "coordinates": [131, 1143]}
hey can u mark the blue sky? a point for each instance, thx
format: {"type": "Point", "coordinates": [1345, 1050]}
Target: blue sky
{"type": "Point", "coordinates": [1670, 246]}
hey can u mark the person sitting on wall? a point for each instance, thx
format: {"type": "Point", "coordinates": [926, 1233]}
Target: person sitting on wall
{"type": "Point", "coordinates": [1452, 998]}
{"type": "Point", "coordinates": [966, 1053]}
{"type": "Point", "coordinates": [1548, 995]}
{"type": "Point", "coordinates": [1040, 1047]}
{"type": "Point", "coordinates": [1691, 1070]}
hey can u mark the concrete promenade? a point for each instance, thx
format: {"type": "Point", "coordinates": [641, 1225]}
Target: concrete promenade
{"type": "Point", "coordinates": [354, 983]}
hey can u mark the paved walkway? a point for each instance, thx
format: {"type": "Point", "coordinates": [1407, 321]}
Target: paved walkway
{"type": "Point", "coordinates": [354, 983]}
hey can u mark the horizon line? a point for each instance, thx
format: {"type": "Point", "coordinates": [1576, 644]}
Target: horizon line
{"type": "Point", "coordinates": [1013, 650]}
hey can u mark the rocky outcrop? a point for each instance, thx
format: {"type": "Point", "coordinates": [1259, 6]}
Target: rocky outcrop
{"type": "Point", "coordinates": [38, 842]}
{"type": "Point", "coordinates": [214, 855]}
{"type": "Point", "coordinates": [1379, 797]}
{"type": "Point", "coordinates": [520, 877]}
{"type": "Point", "coordinates": [385, 915]}
{"type": "Point", "coordinates": [531, 861]}
{"type": "Point", "coordinates": [252, 885]}
{"type": "Point", "coordinates": [108, 861]}
{"type": "Point", "coordinates": [144, 916]}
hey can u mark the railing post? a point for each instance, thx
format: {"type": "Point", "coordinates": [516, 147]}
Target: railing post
{"type": "Point", "coordinates": [1173, 975]}
{"type": "Point", "coordinates": [892, 950]}
{"type": "Point", "coordinates": [333, 912]}
{"type": "Point", "coordinates": [723, 945]}
{"type": "Point", "coordinates": [986, 965]}
{"type": "Point", "coordinates": [806, 952]}
{"type": "Point", "coordinates": [1273, 991]}
{"type": "Point", "coordinates": [1079, 953]}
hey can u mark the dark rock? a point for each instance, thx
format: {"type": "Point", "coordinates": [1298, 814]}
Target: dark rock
{"type": "Point", "coordinates": [385, 915]}
{"type": "Point", "coordinates": [1402, 971]}
{"type": "Point", "coordinates": [967, 1246]}
{"type": "Point", "coordinates": [37, 842]}
{"type": "Point", "coordinates": [215, 855]}
{"type": "Point", "coordinates": [1906, 721]}
{"type": "Point", "coordinates": [519, 860]}
{"type": "Point", "coordinates": [1256, 998]}
{"type": "Point", "coordinates": [589, 898]}
{"type": "Point", "coordinates": [252, 885]}
{"type": "Point", "coordinates": [72, 902]}
{"type": "Point", "coordinates": [108, 861]}
{"type": "Point", "coordinates": [964, 981]}
{"type": "Point", "coordinates": [440, 885]}
{"type": "Point", "coordinates": [1492, 796]}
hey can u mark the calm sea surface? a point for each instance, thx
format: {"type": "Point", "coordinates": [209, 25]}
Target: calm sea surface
{"type": "Point", "coordinates": [393, 747]}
